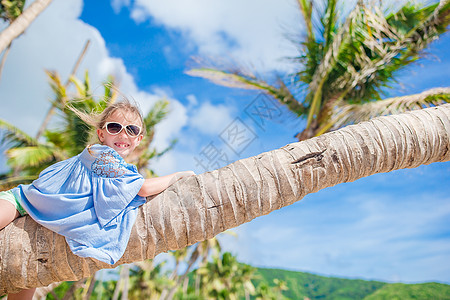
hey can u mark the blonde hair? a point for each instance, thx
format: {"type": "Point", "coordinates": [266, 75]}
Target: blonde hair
{"type": "Point", "coordinates": [98, 119]}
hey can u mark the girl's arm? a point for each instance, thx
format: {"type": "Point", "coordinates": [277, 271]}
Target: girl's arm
{"type": "Point", "coordinates": [156, 185]}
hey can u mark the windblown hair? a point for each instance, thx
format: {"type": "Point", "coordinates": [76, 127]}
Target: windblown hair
{"type": "Point", "coordinates": [98, 119]}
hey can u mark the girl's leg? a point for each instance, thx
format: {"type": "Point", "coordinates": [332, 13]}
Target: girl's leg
{"type": "Point", "coordinates": [8, 213]}
{"type": "Point", "coordinates": [22, 295]}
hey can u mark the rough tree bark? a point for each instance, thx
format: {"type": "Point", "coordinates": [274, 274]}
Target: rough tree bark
{"type": "Point", "coordinates": [202, 206]}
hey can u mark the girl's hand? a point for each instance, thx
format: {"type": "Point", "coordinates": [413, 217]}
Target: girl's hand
{"type": "Point", "coordinates": [156, 185]}
{"type": "Point", "coordinates": [183, 174]}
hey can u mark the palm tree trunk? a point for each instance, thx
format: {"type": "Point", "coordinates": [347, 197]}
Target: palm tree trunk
{"type": "Point", "coordinates": [202, 206]}
{"type": "Point", "coordinates": [22, 22]}
{"type": "Point", "coordinates": [70, 293]}
{"type": "Point", "coordinates": [88, 288]}
{"type": "Point", "coordinates": [122, 283]}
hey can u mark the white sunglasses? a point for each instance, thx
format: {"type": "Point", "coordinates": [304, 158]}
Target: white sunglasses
{"type": "Point", "coordinates": [115, 128]}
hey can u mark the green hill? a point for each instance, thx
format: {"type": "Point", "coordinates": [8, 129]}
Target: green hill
{"type": "Point", "coordinates": [400, 291]}
{"type": "Point", "coordinates": [309, 286]}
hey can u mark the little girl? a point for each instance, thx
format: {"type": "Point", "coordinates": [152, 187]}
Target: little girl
{"type": "Point", "coordinates": [91, 199]}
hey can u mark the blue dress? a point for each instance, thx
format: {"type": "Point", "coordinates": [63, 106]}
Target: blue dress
{"type": "Point", "coordinates": [91, 199]}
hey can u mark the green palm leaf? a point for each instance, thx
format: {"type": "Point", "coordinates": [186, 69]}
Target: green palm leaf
{"type": "Point", "coordinates": [346, 114]}
{"type": "Point", "coordinates": [110, 93]}
{"type": "Point", "coordinates": [82, 87]}
{"type": "Point", "coordinates": [58, 88]}
{"type": "Point", "coordinates": [382, 46]}
{"type": "Point", "coordinates": [157, 113]}
{"type": "Point", "coordinates": [32, 156]}
{"type": "Point", "coordinates": [14, 136]}
{"type": "Point", "coordinates": [10, 10]}
{"type": "Point", "coordinates": [10, 182]}
{"type": "Point", "coordinates": [248, 81]}
{"type": "Point", "coordinates": [329, 22]}
{"type": "Point", "coordinates": [230, 79]}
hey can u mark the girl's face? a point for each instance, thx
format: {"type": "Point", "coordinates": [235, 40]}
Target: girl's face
{"type": "Point", "coordinates": [121, 142]}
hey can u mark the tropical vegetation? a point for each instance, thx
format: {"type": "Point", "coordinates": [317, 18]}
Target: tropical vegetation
{"type": "Point", "coordinates": [347, 67]}
{"type": "Point", "coordinates": [150, 283]}
{"type": "Point", "coordinates": [200, 271]}
{"type": "Point", "coordinates": [347, 63]}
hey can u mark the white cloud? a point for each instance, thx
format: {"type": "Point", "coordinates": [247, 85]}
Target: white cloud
{"type": "Point", "coordinates": [192, 100]}
{"type": "Point", "coordinates": [118, 4]}
{"type": "Point", "coordinates": [251, 32]}
{"type": "Point", "coordinates": [211, 119]}
{"type": "Point", "coordinates": [257, 34]}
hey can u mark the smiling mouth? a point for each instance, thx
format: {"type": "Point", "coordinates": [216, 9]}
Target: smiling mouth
{"type": "Point", "coordinates": [121, 145]}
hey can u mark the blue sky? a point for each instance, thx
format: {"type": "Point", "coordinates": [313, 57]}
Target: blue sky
{"type": "Point", "coordinates": [392, 227]}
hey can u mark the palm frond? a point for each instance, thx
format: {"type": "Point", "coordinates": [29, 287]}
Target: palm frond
{"type": "Point", "coordinates": [330, 59]}
{"type": "Point", "coordinates": [346, 114]}
{"type": "Point", "coordinates": [76, 131]}
{"type": "Point", "coordinates": [87, 85]}
{"type": "Point", "coordinates": [365, 64]}
{"type": "Point", "coordinates": [79, 86]}
{"type": "Point", "coordinates": [284, 96]}
{"type": "Point", "coordinates": [384, 45]}
{"type": "Point", "coordinates": [236, 80]}
{"type": "Point", "coordinates": [110, 93]}
{"type": "Point", "coordinates": [14, 136]}
{"type": "Point", "coordinates": [329, 22]}
{"type": "Point", "coordinates": [334, 52]}
{"type": "Point", "coordinates": [369, 48]}
{"type": "Point", "coordinates": [58, 88]}
{"type": "Point", "coordinates": [10, 182]}
{"type": "Point", "coordinates": [32, 156]}
{"type": "Point", "coordinates": [167, 149]}
{"type": "Point", "coordinates": [10, 10]}
{"type": "Point", "coordinates": [228, 79]}
{"type": "Point", "coordinates": [157, 113]}
{"type": "Point", "coordinates": [306, 8]}
{"type": "Point", "coordinates": [56, 138]}
{"type": "Point", "coordinates": [427, 22]}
